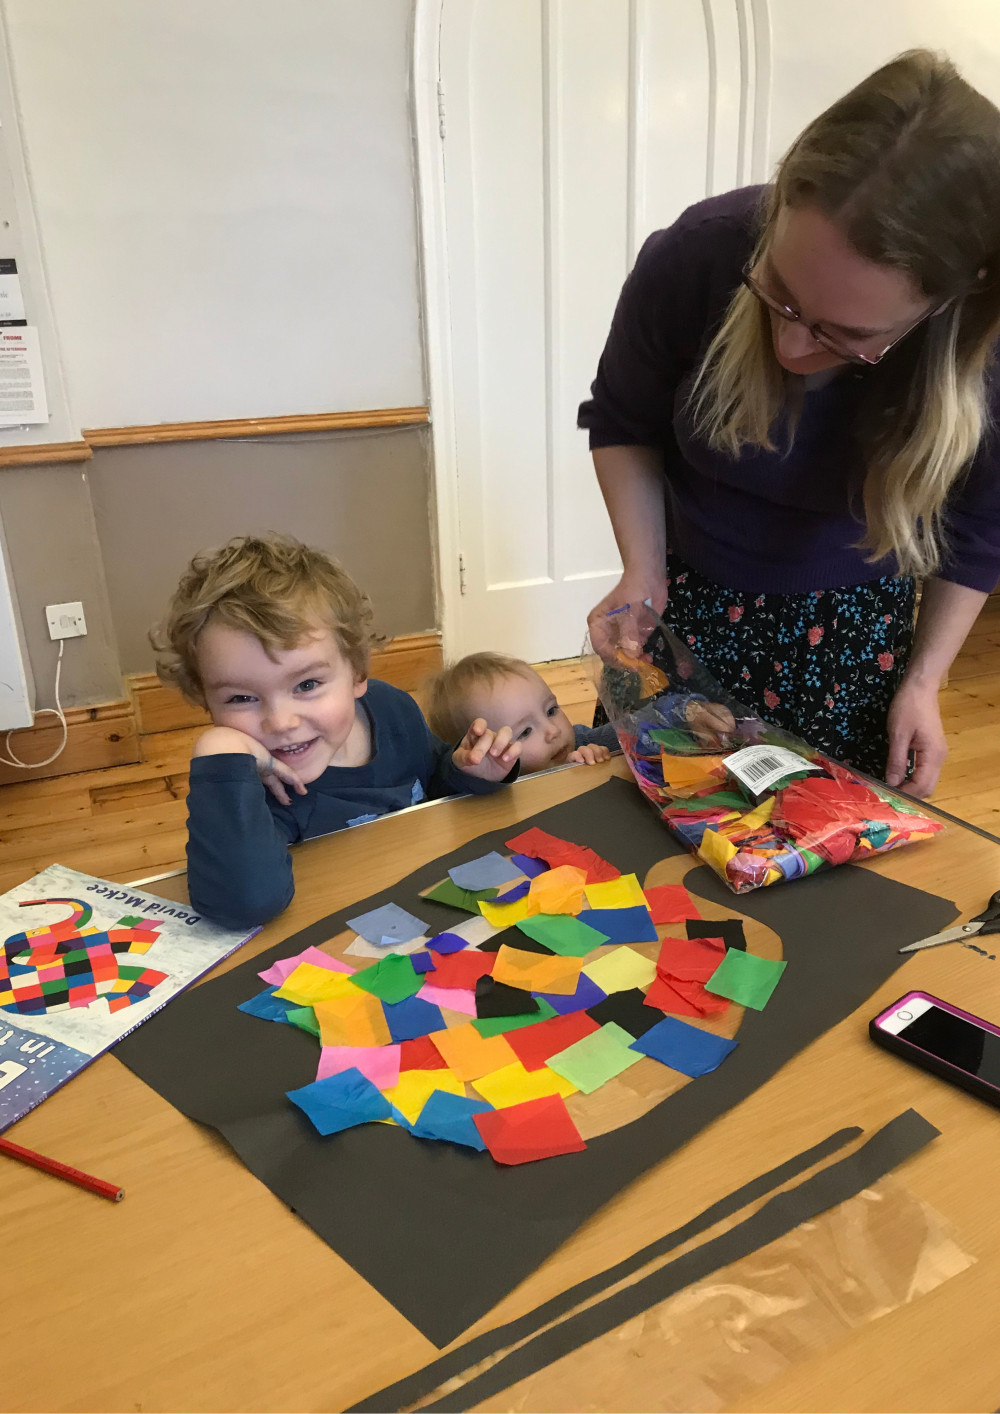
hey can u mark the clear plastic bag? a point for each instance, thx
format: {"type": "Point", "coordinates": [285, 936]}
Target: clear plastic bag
{"type": "Point", "coordinates": [755, 803]}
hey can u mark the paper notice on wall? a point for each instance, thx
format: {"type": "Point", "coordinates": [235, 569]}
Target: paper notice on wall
{"type": "Point", "coordinates": [11, 299]}
{"type": "Point", "coordinates": [22, 387]}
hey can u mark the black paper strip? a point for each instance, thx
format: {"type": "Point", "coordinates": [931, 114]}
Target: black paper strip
{"type": "Point", "coordinates": [900, 1139]}
{"type": "Point", "coordinates": [423, 1382]}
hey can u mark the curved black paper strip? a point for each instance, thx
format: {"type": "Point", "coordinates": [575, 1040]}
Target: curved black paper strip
{"type": "Point", "coordinates": [840, 932]}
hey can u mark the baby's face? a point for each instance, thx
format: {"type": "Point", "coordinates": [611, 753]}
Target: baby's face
{"type": "Point", "coordinates": [528, 706]}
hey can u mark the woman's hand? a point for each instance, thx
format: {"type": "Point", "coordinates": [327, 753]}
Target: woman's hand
{"type": "Point", "coordinates": [915, 725]}
{"type": "Point", "coordinates": [632, 589]}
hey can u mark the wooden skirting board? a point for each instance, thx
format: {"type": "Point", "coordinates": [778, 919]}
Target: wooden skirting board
{"type": "Point", "coordinates": [111, 734]}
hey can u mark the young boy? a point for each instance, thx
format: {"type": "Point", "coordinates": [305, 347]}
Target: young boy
{"type": "Point", "coordinates": [273, 638]}
{"type": "Point", "coordinates": [495, 689]}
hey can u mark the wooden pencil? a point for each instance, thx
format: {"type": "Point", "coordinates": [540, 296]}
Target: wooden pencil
{"type": "Point", "coordinates": [58, 1170]}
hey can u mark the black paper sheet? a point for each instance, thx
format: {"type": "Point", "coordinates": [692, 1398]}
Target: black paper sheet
{"type": "Point", "coordinates": [840, 933]}
{"type": "Point", "coordinates": [730, 930]}
{"type": "Point", "coordinates": [899, 1140]}
{"type": "Point", "coordinates": [424, 1381]}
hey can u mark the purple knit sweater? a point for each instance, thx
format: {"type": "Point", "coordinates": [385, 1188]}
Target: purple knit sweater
{"type": "Point", "coordinates": [763, 522]}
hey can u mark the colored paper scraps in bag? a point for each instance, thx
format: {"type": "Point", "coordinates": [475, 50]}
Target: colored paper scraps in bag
{"type": "Point", "coordinates": [684, 1048]}
{"type": "Point", "coordinates": [488, 871]}
{"type": "Point", "coordinates": [537, 1129]}
{"type": "Point", "coordinates": [566, 936]}
{"type": "Point", "coordinates": [745, 978]}
{"type": "Point", "coordinates": [538, 844]}
{"type": "Point", "coordinates": [535, 972]}
{"type": "Point", "coordinates": [596, 1059]}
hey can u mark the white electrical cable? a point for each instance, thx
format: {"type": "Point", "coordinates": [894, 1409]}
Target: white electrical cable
{"type": "Point", "coordinates": [10, 759]}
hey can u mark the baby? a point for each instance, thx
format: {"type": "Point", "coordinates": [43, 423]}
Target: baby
{"type": "Point", "coordinates": [501, 690]}
{"type": "Point", "coordinates": [274, 638]}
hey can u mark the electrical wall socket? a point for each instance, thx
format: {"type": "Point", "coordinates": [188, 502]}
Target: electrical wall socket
{"type": "Point", "coordinates": [66, 620]}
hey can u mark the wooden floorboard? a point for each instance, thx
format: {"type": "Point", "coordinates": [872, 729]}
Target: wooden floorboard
{"type": "Point", "coordinates": [126, 822]}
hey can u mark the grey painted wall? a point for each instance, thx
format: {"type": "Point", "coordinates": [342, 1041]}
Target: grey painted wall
{"type": "Point", "coordinates": [361, 496]}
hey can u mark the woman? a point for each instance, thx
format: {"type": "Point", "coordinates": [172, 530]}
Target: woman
{"type": "Point", "coordinates": [793, 420]}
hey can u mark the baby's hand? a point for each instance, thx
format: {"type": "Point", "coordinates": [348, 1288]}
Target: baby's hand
{"type": "Point", "coordinates": [218, 741]}
{"type": "Point", "coordinates": [591, 755]}
{"type": "Point", "coordinates": [484, 753]}
{"type": "Point", "coordinates": [709, 721]}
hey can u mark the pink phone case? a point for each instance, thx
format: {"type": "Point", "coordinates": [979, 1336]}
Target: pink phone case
{"type": "Point", "coordinates": [908, 1050]}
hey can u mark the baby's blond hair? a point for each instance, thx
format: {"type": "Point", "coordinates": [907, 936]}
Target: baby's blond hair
{"type": "Point", "coordinates": [449, 691]}
{"type": "Point", "coordinates": [271, 586]}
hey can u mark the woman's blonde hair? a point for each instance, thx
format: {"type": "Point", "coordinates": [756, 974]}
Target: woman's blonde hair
{"type": "Point", "coordinates": [271, 586]}
{"type": "Point", "coordinates": [907, 165]}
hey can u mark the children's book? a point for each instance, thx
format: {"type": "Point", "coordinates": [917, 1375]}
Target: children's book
{"type": "Point", "coordinates": [82, 963]}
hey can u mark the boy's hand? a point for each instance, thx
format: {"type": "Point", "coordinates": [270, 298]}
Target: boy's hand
{"type": "Point", "coordinates": [709, 721]}
{"type": "Point", "coordinates": [591, 755]}
{"type": "Point", "coordinates": [484, 753]}
{"type": "Point", "coordinates": [220, 741]}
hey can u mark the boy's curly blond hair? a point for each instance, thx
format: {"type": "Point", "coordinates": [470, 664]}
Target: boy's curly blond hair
{"type": "Point", "coordinates": [271, 586]}
{"type": "Point", "coordinates": [449, 691]}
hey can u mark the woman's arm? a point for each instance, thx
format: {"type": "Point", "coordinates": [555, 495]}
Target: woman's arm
{"type": "Point", "coordinates": [631, 482]}
{"type": "Point", "coordinates": [947, 613]}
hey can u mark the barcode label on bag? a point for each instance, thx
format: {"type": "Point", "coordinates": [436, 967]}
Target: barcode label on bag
{"type": "Point", "coordinates": [760, 767]}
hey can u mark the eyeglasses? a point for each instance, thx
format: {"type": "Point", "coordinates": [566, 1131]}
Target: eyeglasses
{"type": "Point", "coordinates": [817, 332]}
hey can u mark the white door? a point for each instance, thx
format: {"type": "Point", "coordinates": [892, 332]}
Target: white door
{"type": "Point", "coordinates": [553, 136]}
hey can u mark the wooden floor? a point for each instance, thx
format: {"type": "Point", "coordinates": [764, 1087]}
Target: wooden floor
{"type": "Point", "coordinates": [128, 822]}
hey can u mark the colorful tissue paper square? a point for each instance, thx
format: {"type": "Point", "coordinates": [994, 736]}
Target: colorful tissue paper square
{"type": "Point", "coordinates": [593, 1061]}
{"type": "Point", "coordinates": [685, 1048]}
{"type": "Point", "coordinates": [662, 997]}
{"type": "Point", "coordinates": [460, 969]}
{"type": "Point", "coordinates": [689, 959]}
{"type": "Point", "coordinates": [519, 891]}
{"type": "Point", "coordinates": [531, 868]}
{"type": "Point", "coordinates": [412, 1018]}
{"type": "Point", "coordinates": [445, 943]}
{"type": "Point", "coordinates": [281, 969]}
{"type": "Point", "coordinates": [414, 1090]}
{"type": "Point", "coordinates": [513, 1084]}
{"type": "Point", "coordinates": [535, 972]}
{"type": "Point", "coordinates": [308, 983]}
{"type": "Point", "coordinates": [670, 903]}
{"type": "Point", "coordinates": [623, 892]}
{"type": "Point", "coordinates": [561, 890]}
{"type": "Point", "coordinates": [453, 897]}
{"type": "Point", "coordinates": [532, 1045]}
{"type": "Point", "coordinates": [745, 978]}
{"type": "Point", "coordinates": [449, 1117]}
{"type": "Point", "coordinates": [627, 1010]}
{"type": "Point", "coordinates": [505, 915]}
{"type": "Point", "coordinates": [514, 938]}
{"type": "Point", "coordinates": [587, 994]}
{"type": "Point", "coordinates": [536, 1129]}
{"type": "Point", "coordinates": [503, 1025]}
{"type": "Point", "coordinates": [730, 930]}
{"type": "Point", "coordinates": [389, 921]}
{"type": "Point", "coordinates": [356, 1020]}
{"type": "Point", "coordinates": [454, 998]}
{"type": "Point", "coordinates": [304, 1018]}
{"type": "Point", "coordinates": [562, 934]}
{"type": "Point", "coordinates": [487, 872]}
{"type": "Point", "coordinates": [420, 1054]}
{"type": "Point", "coordinates": [495, 998]}
{"type": "Point", "coordinates": [267, 1006]}
{"type": "Point", "coordinates": [391, 979]}
{"type": "Point", "coordinates": [470, 1055]}
{"type": "Point", "coordinates": [621, 970]}
{"type": "Point", "coordinates": [340, 1102]}
{"type": "Point", "coordinates": [421, 962]}
{"type": "Point", "coordinates": [379, 1064]}
{"type": "Point", "coordinates": [621, 925]}
{"type": "Point", "coordinates": [539, 844]}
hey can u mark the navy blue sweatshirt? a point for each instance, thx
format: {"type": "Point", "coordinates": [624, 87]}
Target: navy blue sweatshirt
{"type": "Point", "coordinates": [239, 867]}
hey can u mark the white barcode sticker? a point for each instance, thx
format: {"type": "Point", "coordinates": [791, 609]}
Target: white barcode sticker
{"type": "Point", "coordinates": [760, 767]}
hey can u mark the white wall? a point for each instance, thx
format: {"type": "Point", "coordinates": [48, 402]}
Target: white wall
{"type": "Point", "coordinates": [820, 50]}
{"type": "Point", "coordinates": [225, 200]}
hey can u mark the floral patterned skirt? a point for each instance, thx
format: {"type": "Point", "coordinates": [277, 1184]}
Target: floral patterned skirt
{"type": "Point", "coordinates": [824, 665]}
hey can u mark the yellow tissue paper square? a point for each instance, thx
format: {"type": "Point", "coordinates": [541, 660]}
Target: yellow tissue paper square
{"type": "Point", "coordinates": [415, 1089]}
{"type": "Point", "coordinates": [505, 915]}
{"type": "Point", "coordinates": [716, 850]}
{"type": "Point", "coordinates": [513, 1084]}
{"type": "Point", "coordinates": [309, 983]}
{"type": "Point", "coordinates": [621, 970]}
{"type": "Point", "coordinates": [625, 892]}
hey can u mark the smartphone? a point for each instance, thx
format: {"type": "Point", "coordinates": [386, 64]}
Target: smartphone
{"type": "Point", "coordinates": [943, 1039]}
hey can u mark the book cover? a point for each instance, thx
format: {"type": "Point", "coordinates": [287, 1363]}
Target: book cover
{"type": "Point", "coordinates": [83, 962]}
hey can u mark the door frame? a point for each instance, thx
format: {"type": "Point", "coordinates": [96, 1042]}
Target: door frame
{"type": "Point", "coordinates": [752, 31]}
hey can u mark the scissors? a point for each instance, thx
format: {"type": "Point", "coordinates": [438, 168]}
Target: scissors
{"type": "Point", "coordinates": [986, 922]}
